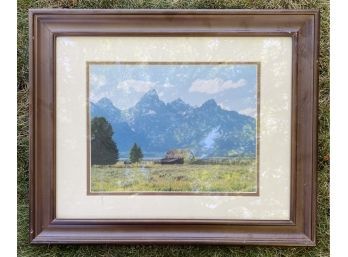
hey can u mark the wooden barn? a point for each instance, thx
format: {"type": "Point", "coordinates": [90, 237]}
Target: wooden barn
{"type": "Point", "coordinates": [177, 156]}
{"type": "Point", "coordinates": [171, 161]}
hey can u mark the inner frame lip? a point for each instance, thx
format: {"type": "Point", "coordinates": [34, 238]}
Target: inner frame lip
{"type": "Point", "coordinates": [206, 193]}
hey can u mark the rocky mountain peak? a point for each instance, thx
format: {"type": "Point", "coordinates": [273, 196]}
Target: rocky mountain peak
{"type": "Point", "coordinates": [105, 102]}
{"type": "Point", "coordinates": [210, 104]}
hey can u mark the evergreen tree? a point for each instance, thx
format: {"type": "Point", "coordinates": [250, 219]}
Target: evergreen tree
{"type": "Point", "coordinates": [135, 154]}
{"type": "Point", "coordinates": [140, 153]}
{"type": "Point", "coordinates": [103, 149]}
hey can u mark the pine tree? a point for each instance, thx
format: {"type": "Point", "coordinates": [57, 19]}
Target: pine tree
{"type": "Point", "coordinates": [140, 153]}
{"type": "Point", "coordinates": [103, 149]}
{"type": "Point", "coordinates": [135, 154]}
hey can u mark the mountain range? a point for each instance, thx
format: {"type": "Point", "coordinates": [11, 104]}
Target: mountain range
{"type": "Point", "coordinates": [207, 130]}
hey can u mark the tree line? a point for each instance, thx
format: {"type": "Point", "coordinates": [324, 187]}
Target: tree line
{"type": "Point", "coordinates": [104, 150]}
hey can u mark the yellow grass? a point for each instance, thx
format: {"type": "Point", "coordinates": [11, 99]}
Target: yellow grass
{"type": "Point", "coordinates": [180, 178]}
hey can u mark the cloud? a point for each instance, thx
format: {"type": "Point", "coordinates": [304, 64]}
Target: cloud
{"type": "Point", "coordinates": [213, 86]}
{"type": "Point", "coordinates": [97, 80]}
{"type": "Point", "coordinates": [168, 85]}
{"type": "Point", "coordinates": [249, 111]}
{"type": "Point", "coordinates": [139, 86]}
{"type": "Point", "coordinates": [224, 106]}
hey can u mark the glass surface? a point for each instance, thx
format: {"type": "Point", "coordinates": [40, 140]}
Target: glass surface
{"type": "Point", "coordinates": [219, 108]}
{"type": "Point", "coordinates": [173, 127]}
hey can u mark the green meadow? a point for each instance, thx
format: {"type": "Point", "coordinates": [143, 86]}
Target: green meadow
{"type": "Point", "coordinates": [148, 176]}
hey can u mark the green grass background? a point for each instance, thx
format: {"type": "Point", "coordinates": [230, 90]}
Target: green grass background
{"type": "Point", "coordinates": [24, 249]}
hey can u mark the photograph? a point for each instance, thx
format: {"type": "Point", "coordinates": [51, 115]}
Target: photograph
{"type": "Point", "coordinates": [173, 127]}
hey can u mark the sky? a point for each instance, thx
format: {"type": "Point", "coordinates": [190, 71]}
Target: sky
{"type": "Point", "coordinates": [232, 86]}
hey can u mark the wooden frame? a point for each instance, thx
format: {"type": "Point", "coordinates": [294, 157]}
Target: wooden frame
{"type": "Point", "coordinates": [302, 26]}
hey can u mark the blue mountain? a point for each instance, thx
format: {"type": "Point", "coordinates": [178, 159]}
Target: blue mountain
{"type": "Point", "coordinates": [157, 127]}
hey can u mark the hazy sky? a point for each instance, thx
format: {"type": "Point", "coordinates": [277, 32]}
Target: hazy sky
{"type": "Point", "coordinates": [232, 86]}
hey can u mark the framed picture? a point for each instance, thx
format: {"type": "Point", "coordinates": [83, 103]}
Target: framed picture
{"type": "Point", "coordinates": [173, 126]}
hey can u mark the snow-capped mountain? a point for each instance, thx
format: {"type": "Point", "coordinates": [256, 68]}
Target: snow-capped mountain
{"type": "Point", "coordinates": [157, 126]}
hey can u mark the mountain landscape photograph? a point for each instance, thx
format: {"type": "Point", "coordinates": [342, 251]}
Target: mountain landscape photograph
{"type": "Point", "coordinates": [178, 128]}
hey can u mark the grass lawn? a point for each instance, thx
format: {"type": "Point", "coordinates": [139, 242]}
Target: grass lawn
{"type": "Point", "coordinates": [178, 177]}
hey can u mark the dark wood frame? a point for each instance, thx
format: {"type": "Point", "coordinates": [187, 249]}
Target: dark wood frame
{"type": "Point", "coordinates": [301, 25]}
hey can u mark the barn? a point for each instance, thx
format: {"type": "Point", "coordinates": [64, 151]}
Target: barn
{"type": "Point", "coordinates": [177, 156]}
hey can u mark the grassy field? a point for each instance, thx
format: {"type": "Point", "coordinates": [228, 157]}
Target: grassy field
{"type": "Point", "coordinates": [179, 177]}
{"type": "Point", "coordinates": [323, 227]}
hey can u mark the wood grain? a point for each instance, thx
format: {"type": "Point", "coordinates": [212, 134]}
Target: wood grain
{"type": "Point", "coordinates": [47, 24]}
